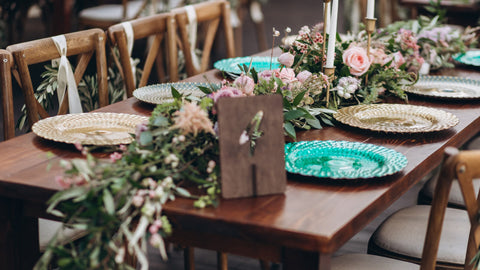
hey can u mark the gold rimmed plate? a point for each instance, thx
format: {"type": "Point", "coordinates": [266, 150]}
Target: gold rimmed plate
{"type": "Point", "coordinates": [396, 118]}
{"type": "Point", "coordinates": [89, 128]}
{"type": "Point", "coordinates": [162, 93]}
{"type": "Point", "coordinates": [445, 87]}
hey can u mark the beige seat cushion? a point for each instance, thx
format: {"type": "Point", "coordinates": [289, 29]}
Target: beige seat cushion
{"type": "Point", "coordinates": [48, 228]}
{"type": "Point", "coordinates": [455, 197]}
{"type": "Point", "coordinates": [369, 262]}
{"type": "Point", "coordinates": [112, 12]}
{"type": "Point", "coordinates": [404, 233]}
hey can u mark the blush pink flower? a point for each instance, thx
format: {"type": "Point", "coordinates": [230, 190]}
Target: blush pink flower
{"type": "Point", "coordinates": [287, 75]}
{"type": "Point", "coordinates": [303, 76]}
{"type": "Point", "coordinates": [192, 119]}
{"type": "Point", "coordinates": [140, 128]}
{"type": "Point", "coordinates": [398, 59]}
{"type": "Point", "coordinates": [357, 59]}
{"type": "Point", "coordinates": [265, 75]}
{"type": "Point", "coordinates": [245, 84]}
{"type": "Point", "coordinates": [286, 59]}
{"type": "Point", "coordinates": [62, 181]}
{"type": "Point", "coordinates": [115, 156]}
{"type": "Point", "coordinates": [378, 56]}
{"type": "Point", "coordinates": [226, 91]}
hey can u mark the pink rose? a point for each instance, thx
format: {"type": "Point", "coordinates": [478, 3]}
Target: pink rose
{"type": "Point", "coordinates": [245, 84]}
{"type": "Point", "coordinates": [286, 59]}
{"type": "Point", "coordinates": [303, 76]}
{"type": "Point", "coordinates": [357, 59]}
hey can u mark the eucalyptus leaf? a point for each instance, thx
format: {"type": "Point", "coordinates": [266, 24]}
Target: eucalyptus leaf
{"type": "Point", "coordinates": [290, 130]}
{"type": "Point", "coordinates": [108, 202]}
{"type": "Point", "coordinates": [294, 114]}
{"type": "Point", "coordinates": [146, 138]}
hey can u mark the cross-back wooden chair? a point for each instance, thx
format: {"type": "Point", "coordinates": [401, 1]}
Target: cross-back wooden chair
{"type": "Point", "coordinates": [254, 10]}
{"type": "Point", "coordinates": [83, 44]}
{"type": "Point", "coordinates": [6, 94]}
{"type": "Point", "coordinates": [157, 26]}
{"type": "Point", "coordinates": [209, 13]}
{"type": "Point", "coordinates": [452, 237]}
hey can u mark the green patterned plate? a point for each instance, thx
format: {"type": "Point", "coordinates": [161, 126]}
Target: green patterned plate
{"type": "Point", "coordinates": [469, 58]}
{"type": "Point", "coordinates": [162, 93]}
{"type": "Point", "coordinates": [230, 65]}
{"type": "Point", "coordinates": [445, 87]}
{"type": "Point", "coordinates": [342, 159]}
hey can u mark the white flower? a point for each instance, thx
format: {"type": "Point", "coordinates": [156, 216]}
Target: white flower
{"type": "Point", "coordinates": [347, 86]}
{"type": "Point", "coordinates": [243, 138]}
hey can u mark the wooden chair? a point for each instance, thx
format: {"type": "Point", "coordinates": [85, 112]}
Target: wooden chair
{"type": "Point", "coordinates": [82, 44]}
{"type": "Point", "coordinates": [209, 13]}
{"type": "Point", "coordinates": [253, 8]}
{"type": "Point", "coordinates": [6, 94]}
{"type": "Point", "coordinates": [156, 26]}
{"type": "Point", "coordinates": [46, 228]}
{"type": "Point", "coordinates": [451, 233]}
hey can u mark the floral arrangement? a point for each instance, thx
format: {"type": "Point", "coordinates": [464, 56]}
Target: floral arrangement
{"type": "Point", "coordinates": [358, 78]}
{"type": "Point", "coordinates": [436, 42]}
{"type": "Point", "coordinates": [120, 201]}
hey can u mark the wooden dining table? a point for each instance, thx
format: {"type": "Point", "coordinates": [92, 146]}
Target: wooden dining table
{"type": "Point", "coordinates": [301, 228]}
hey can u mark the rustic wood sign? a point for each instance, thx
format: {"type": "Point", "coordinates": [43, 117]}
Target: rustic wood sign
{"type": "Point", "coordinates": [251, 146]}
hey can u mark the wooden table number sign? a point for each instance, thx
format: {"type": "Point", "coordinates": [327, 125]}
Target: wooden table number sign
{"type": "Point", "coordinates": [251, 146]}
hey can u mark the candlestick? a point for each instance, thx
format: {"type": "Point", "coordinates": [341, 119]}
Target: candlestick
{"type": "Point", "coordinates": [332, 35]}
{"type": "Point", "coordinates": [371, 9]}
{"type": "Point", "coordinates": [326, 19]}
{"type": "Point", "coordinates": [330, 72]}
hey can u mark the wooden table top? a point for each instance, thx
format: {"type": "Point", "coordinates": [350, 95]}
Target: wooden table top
{"type": "Point", "coordinates": [312, 215]}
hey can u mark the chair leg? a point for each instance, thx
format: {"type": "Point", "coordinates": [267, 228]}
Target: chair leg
{"type": "Point", "coordinates": [222, 261]}
{"type": "Point", "coordinates": [189, 258]}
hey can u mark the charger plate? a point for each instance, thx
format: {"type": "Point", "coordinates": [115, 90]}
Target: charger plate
{"type": "Point", "coordinates": [162, 93]}
{"type": "Point", "coordinates": [89, 128]}
{"type": "Point", "coordinates": [446, 87]}
{"type": "Point", "coordinates": [469, 58]}
{"type": "Point", "coordinates": [342, 159]}
{"type": "Point", "coordinates": [260, 63]}
{"type": "Point", "coordinates": [396, 118]}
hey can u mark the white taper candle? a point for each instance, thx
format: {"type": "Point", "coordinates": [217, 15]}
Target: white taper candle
{"type": "Point", "coordinates": [371, 9]}
{"type": "Point", "coordinates": [332, 35]}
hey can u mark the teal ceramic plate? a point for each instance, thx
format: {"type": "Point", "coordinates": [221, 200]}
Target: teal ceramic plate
{"type": "Point", "coordinates": [445, 87]}
{"type": "Point", "coordinates": [342, 159]}
{"type": "Point", "coordinates": [230, 65]}
{"type": "Point", "coordinates": [469, 58]}
{"type": "Point", "coordinates": [162, 93]}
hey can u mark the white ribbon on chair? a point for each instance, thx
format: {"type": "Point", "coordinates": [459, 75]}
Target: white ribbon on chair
{"type": "Point", "coordinates": [127, 27]}
{"type": "Point", "coordinates": [65, 77]}
{"type": "Point", "coordinates": [192, 34]}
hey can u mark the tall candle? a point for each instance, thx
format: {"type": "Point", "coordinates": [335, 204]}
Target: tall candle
{"type": "Point", "coordinates": [326, 13]}
{"type": "Point", "coordinates": [371, 9]}
{"type": "Point", "coordinates": [332, 35]}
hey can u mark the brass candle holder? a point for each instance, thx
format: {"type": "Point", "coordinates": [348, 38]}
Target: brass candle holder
{"type": "Point", "coordinates": [330, 72]}
{"type": "Point", "coordinates": [370, 28]}
{"type": "Point", "coordinates": [324, 32]}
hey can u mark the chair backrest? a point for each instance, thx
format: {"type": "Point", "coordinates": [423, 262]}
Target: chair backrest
{"type": "Point", "coordinates": [209, 13]}
{"type": "Point", "coordinates": [82, 44]}
{"type": "Point", "coordinates": [6, 94]}
{"type": "Point", "coordinates": [463, 166]}
{"type": "Point", "coordinates": [155, 26]}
